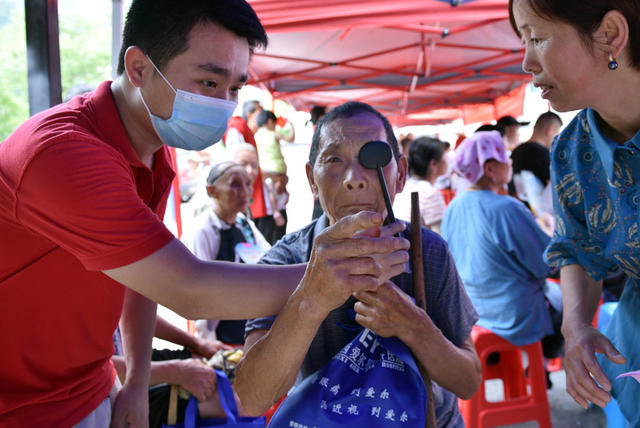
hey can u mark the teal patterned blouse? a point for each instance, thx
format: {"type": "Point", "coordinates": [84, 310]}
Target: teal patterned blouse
{"type": "Point", "coordinates": [595, 200]}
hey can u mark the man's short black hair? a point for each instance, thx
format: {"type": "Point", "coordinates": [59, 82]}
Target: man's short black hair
{"type": "Point", "coordinates": [264, 117]}
{"type": "Point", "coordinates": [545, 120]}
{"type": "Point", "coordinates": [345, 111]}
{"type": "Point", "coordinates": [161, 28]}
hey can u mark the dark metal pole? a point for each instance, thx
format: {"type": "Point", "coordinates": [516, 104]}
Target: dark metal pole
{"type": "Point", "coordinates": [43, 54]}
{"type": "Point", "coordinates": [116, 31]}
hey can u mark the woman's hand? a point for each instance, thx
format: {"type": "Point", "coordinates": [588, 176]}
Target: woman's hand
{"type": "Point", "coordinates": [581, 343]}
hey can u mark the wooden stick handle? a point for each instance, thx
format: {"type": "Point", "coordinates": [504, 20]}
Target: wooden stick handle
{"type": "Point", "coordinates": [417, 272]}
{"type": "Point", "coordinates": [417, 268]}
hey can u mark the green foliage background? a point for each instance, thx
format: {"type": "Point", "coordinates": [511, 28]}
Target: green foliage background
{"type": "Point", "coordinates": [85, 53]}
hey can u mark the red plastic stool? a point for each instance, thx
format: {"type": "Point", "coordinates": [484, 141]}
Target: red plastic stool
{"type": "Point", "coordinates": [525, 398]}
{"type": "Point", "coordinates": [555, 364]}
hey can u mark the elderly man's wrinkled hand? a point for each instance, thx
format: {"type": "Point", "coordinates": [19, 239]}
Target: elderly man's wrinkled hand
{"type": "Point", "coordinates": [389, 230]}
{"type": "Point", "coordinates": [353, 255]}
{"type": "Point", "coordinates": [387, 311]}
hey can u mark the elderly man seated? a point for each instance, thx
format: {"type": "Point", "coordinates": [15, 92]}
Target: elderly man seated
{"type": "Point", "coordinates": [308, 331]}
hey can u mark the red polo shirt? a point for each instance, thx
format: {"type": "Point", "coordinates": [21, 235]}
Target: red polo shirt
{"type": "Point", "coordinates": [74, 200]}
{"type": "Point", "coordinates": [258, 206]}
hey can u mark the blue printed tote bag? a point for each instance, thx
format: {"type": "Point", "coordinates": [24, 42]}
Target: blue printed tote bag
{"type": "Point", "coordinates": [372, 382]}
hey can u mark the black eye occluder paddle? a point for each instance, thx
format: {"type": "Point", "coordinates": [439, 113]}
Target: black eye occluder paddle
{"type": "Point", "coordinates": [376, 155]}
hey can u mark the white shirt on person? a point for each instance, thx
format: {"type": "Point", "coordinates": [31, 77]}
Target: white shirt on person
{"type": "Point", "coordinates": [430, 200]}
{"type": "Point", "coordinates": [204, 240]}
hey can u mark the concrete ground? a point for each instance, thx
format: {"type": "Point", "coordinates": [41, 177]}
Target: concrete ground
{"type": "Point", "coordinates": [565, 413]}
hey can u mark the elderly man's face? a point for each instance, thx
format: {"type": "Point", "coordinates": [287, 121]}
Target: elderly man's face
{"type": "Point", "coordinates": [343, 185]}
{"type": "Point", "coordinates": [248, 159]}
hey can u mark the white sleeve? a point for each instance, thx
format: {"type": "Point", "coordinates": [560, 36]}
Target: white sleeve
{"type": "Point", "coordinates": [204, 243]}
{"type": "Point", "coordinates": [233, 137]}
{"type": "Point", "coordinates": [432, 206]}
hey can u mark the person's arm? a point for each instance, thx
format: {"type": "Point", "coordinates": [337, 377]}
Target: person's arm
{"type": "Point", "coordinates": [273, 201]}
{"type": "Point", "coordinates": [289, 137]}
{"type": "Point", "coordinates": [195, 289]}
{"type": "Point", "coordinates": [388, 311]}
{"type": "Point", "coordinates": [272, 359]}
{"type": "Point", "coordinates": [580, 296]}
{"type": "Point", "coordinates": [137, 323]}
{"type": "Point", "coordinates": [191, 374]}
{"type": "Point", "coordinates": [169, 332]}
{"type": "Point", "coordinates": [286, 132]}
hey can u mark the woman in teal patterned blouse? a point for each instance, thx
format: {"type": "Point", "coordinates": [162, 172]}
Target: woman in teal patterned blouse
{"type": "Point", "coordinates": [586, 55]}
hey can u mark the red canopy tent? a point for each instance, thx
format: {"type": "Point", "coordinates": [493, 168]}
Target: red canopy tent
{"type": "Point", "coordinates": [417, 61]}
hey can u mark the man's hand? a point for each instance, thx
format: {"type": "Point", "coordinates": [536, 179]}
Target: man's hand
{"type": "Point", "coordinates": [197, 378]}
{"type": "Point", "coordinates": [387, 311]}
{"type": "Point", "coordinates": [581, 344]}
{"type": "Point", "coordinates": [131, 407]}
{"type": "Point", "coordinates": [278, 218]}
{"type": "Point", "coordinates": [353, 255]}
{"type": "Point", "coordinates": [207, 348]}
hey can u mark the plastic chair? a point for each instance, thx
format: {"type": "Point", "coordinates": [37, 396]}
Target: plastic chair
{"type": "Point", "coordinates": [555, 364]}
{"type": "Point", "coordinates": [525, 397]}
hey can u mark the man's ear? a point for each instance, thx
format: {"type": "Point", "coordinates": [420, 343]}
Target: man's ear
{"type": "Point", "coordinates": [613, 33]}
{"type": "Point", "coordinates": [211, 191]}
{"type": "Point", "coordinates": [403, 167]}
{"type": "Point", "coordinates": [137, 66]}
{"type": "Point", "coordinates": [312, 183]}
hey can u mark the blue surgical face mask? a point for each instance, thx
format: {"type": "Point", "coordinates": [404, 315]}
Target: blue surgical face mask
{"type": "Point", "coordinates": [196, 122]}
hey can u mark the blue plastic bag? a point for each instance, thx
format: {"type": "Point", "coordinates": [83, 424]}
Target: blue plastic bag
{"type": "Point", "coordinates": [372, 382]}
{"type": "Point", "coordinates": [228, 403]}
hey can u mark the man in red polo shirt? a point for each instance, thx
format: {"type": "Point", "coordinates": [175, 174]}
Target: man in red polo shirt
{"type": "Point", "coordinates": [241, 130]}
{"type": "Point", "coordinates": [83, 188]}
